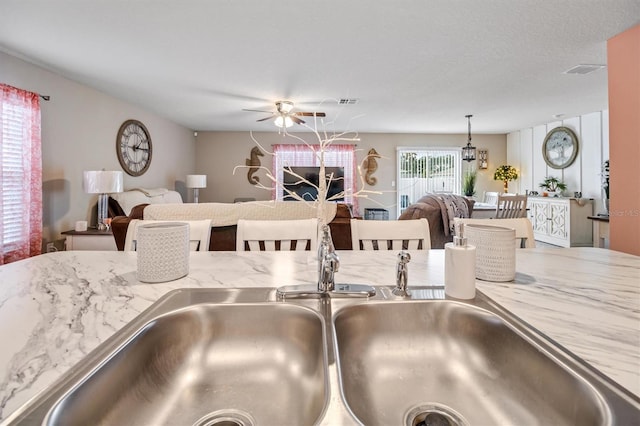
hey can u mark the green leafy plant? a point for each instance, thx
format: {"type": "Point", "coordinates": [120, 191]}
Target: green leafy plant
{"type": "Point", "coordinates": [469, 183]}
{"type": "Point", "coordinates": [552, 184]}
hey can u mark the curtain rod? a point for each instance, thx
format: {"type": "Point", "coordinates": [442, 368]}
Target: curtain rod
{"type": "Point", "coordinates": [45, 97]}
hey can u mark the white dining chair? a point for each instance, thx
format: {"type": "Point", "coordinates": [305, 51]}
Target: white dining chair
{"type": "Point", "coordinates": [410, 234]}
{"type": "Point", "coordinates": [511, 206]}
{"type": "Point", "coordinates": [490, 198]}
{"type": "Point", "coordinates": [199, 233]}
{"type": "Point", "coordinates": [522, 225]}
{"type": "Point", "coordinates": [272, 235]}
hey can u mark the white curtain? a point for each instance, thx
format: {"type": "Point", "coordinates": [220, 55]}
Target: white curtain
{"type": "Point", "coordinates": [301, 155]}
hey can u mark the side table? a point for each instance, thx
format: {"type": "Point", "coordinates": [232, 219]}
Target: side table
{"type": "Point", "coordinates": [600, 230]}
{"type": "Point", "coordinates": [91, 239]}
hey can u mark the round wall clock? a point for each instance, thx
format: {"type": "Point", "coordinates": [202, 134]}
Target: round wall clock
{"type": "Point", "coordinates": [560, 147]}
{"type": "Point", "coordinates": [133, 146]}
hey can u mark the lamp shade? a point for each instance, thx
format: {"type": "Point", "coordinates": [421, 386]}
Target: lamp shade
{"type": "Point", "coordinates": [196, 181]}
{"type": "Point", "coordinates": [103, 182]}
{"type": "Point", "coordinates": [283, 121]}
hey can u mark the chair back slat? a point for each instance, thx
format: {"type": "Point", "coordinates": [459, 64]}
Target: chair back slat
{"type": "Point", "coordinates": [511, 206]}
{"type": "Point", "coordinates": [390, 234]}
{"type": "Point", "coordinates": [522, 225]}
{"type": "Point", "coordinates": [490, 198]}
{"type": "Point", "coordinates": [275, 235]}
{"type": "Point", "coordinates": [199, 233]}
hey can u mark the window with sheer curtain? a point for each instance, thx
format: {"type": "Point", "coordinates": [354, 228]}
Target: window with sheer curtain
{"type": "Point", "coordinates": [301, 155]}
{"type": "Point", "coordinates": [20, 174]}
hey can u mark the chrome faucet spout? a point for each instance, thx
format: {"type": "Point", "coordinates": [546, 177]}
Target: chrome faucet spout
{"type": "Point", "coordinates": [328, 262]}
{"type": "Point", "coordinates": [328, 267]}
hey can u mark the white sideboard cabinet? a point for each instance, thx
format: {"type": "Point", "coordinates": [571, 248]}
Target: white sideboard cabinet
{"type": "Point", "coordinates": [562, 221]}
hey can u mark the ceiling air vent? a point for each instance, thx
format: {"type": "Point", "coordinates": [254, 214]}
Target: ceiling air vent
{"type": "Point", "coordinates": [346, 101]}
{"type": "Point", "coordinates": [584, 69]}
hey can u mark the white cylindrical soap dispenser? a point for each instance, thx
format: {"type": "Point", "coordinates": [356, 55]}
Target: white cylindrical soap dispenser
{"type": "Point", "coordinates": [460, 267]}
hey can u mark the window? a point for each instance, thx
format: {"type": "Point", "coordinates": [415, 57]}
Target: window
{"type": "Point", "coordinates": [427, 170]}
{"type": "Point", "coordinates": [300, 155]}
{"type": "Point", "coordinates": [20, 174]}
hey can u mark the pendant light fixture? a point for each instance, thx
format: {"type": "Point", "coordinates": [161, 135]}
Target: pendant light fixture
{"type": "Point", "coordinates": [469, 152]}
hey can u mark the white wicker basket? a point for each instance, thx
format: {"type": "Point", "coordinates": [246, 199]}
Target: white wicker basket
{"type": "Point", "coordinates": [163, 251]}
{"type": "Point", "coordinates": [495, 251]}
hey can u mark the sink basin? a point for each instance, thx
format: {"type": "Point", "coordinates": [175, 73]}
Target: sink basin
{"type": "Point", "coordinates": [208, 364]}
{"type": "Point", "coordinates": [400, 362]}
{"type": "Point", "coordinates": [238, 357]}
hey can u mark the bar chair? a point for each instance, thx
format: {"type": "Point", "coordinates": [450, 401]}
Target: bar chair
{"type": "Point", "coordinates": [199, 233]}
{"type": "Point", "coordinates": [277, 235]}
{"type": "Point", "coordinates": [410, 234]}
{"type": "Point", "coordinates": [522, 225]}
{"type": "Point", "coordinates": [511, 206]}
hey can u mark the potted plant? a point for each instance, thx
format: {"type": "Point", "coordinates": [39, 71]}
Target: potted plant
{"type": "Point", "coordinates": [469, 183]}
{"type": "Point", "coordinates": [505, 173]}
{"type": "Point", "coordinates": [551, 185]}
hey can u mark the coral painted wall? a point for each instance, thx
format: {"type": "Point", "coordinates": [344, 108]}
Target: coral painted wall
{"type": "Point", "coordinates": [623, 60]}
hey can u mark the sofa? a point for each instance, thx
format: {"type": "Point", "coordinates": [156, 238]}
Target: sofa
{"type": "Point", "coordinates": [162, 204]}
{"type": "Point", "coordinates": [440, 211]}
{"type": "Point", "coordinates": [122, 203]}
{"type": "Point", "coordinates": [224, 218]}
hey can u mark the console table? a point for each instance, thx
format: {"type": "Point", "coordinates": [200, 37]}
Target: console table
{"type": "Point", "coordinates": [91, 239]}
{"type": "Point", "coordinates": [561, 221]}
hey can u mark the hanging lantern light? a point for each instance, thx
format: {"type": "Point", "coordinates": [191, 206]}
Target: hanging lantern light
{"type": "Point", "coordinates": [469, 152]}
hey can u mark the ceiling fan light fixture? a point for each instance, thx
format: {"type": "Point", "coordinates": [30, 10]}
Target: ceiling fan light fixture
{"type": "Point", "coordinates": [284, 106]}
{"type": "Point", "coordinates": [283, 121]}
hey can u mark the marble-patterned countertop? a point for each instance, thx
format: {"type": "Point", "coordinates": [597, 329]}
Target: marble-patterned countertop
{"type": "Point", "coordinates": [56, 308]}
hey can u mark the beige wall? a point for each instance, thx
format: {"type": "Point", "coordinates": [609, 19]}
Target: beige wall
{"type": "Point", "coordinates": [79, 127]}
{"type": "Point", "coordinates": [623, 59]}
{"type": "Point", "coordinates": [217, 153]}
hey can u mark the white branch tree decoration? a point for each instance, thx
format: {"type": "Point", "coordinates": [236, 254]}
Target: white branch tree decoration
{"type": "Point", "coordinates": [323, 141]}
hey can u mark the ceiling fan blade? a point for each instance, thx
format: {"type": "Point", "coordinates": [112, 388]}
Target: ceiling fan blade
{"type": "Point", "coordinates": [310, 114]}
{"type": "Point", "coordinates": [258, 110]}
{"type": "Point", "coordinates": [296, 119]}
{"type": "Point", "coordinates": [267, 118]}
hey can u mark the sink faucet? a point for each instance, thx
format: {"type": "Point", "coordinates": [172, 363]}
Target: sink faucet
{"type": "Point", "coordinates": [328, 265]}
{"type": "Point", "coordinates": [402, 274]}
{"type": "Point", "coordinates": [328, 262]}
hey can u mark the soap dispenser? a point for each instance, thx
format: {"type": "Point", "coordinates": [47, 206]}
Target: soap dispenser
{"type": "Point", "coordinates": [460, 267]}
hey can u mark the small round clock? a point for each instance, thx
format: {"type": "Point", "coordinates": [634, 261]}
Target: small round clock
{"type": "Point", "coordinates": [560, 147]}
{"type": "Point", "coordinates": [133, 146]}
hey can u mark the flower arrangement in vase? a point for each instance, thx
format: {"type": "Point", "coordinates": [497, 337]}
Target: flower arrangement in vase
{"type": "Point", "coordinates": [505, 173]}
{"type": "Point", "coordinates": [551, 185]}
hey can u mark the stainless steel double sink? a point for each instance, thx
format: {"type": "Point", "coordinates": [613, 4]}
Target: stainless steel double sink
{"type": "Point", "coordinates": [221, 357]}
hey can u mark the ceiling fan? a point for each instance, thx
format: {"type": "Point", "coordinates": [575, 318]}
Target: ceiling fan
{"type": "Point", "coordinates": [284, 116]}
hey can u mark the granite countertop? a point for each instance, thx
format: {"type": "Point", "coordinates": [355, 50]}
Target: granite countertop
{"type": "Point", "coordinates": [56, 308]}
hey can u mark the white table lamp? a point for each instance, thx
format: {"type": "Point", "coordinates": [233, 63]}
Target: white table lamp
{"type": "Point", "coordinates": [103, 183]}
{"type": "Point", "coordinates": [196, 182]}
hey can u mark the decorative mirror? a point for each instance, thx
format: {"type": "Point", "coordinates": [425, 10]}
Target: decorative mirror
{"type": "Point", "coordinates": [560, 147]}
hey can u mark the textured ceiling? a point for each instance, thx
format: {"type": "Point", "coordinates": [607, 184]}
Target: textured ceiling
{"type": "Point", "coordinates": [415, 66]}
